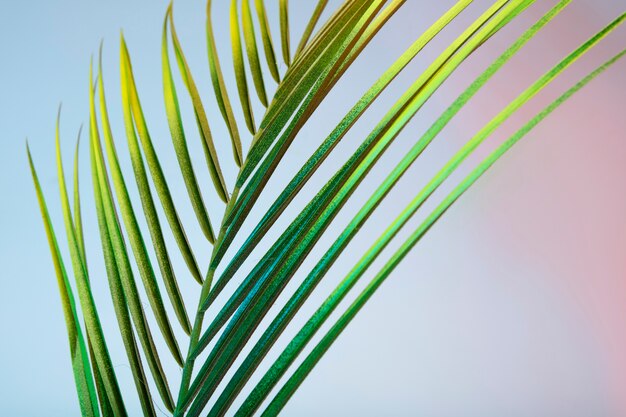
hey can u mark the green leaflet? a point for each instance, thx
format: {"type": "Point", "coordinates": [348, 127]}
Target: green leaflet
{"type": "Point", "coordinates": [78, 222]}
{"type": "Point", "coordinates": [85, 389]}
{"type": "Point", "coordinates": [154, 165]}
{"type": "Point", "coordinates": [78, 227]}
{"type": "Point", "coordinates": [117, 296]}
{"type": "Point", "coordinates": [284, 30]}
{"type": "Point", "coordinates": [105, 405]}
{"type": "Point", "coordinates": [252, 51]}
{"type": "Point", "coordinates": [308, 30]}
{"type": "Point", "coordinates": [303, 370]}
{"type": "Point", "coordinates": [203, 124]}
{"type": "Point", "coordinates": [268, 45]}
{"type": "Point", "coordinates": [180, 143]}
{"type": "Point", "coordinates": [134, 233]}
{"type": "Point", "coordinates": [240, 72]}
{"type": "Point", "coordinates": [122, 259]}
{"type": "Point", "coordinates": [149, 209]}
{"type": "Point", "coordinates": [221, 95]}
{"type": "Point", "coordinates": [322, 35]}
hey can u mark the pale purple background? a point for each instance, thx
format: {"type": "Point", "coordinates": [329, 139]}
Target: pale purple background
{"type": "Point", "coordinates": [514, 304]}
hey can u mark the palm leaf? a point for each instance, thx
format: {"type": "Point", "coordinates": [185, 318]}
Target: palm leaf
{"type": "Point", "coordinates": [320, 60]}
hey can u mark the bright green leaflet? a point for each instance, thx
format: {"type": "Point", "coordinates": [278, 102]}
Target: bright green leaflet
{"type": "Point", "coordinates": [85, 389]}
{"type": "Point", "coordinates": [268, 45]}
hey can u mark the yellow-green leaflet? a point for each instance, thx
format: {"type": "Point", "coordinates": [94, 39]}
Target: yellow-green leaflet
{"type": "Point", "coordinates": [240, 72]}
{"type": "Point", "coordinates": [252, 51]}
{"type": "Point", "coordinates": [284, 30]}
{"type": "Point", "coordinates": [78, 222]}
{"type": "Point", "coordinates": [105, 405]}
{"type": "Point", "coordinates": [203, 124]}
{"type": "Point", "coordinates": [221, 95]}
{"type": "Point", "coordinates": [268, 45]}
{"type": "Point", "coordinates": [85, 389]}
{"type": "Point", "coordinates": [175, 123]}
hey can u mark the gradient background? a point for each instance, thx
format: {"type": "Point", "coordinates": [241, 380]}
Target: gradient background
{"type": "Point", "coordinates": [514, 304]}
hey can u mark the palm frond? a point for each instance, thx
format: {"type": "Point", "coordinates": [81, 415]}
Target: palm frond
{"type": "Point", "coordinates": [318, 63]}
